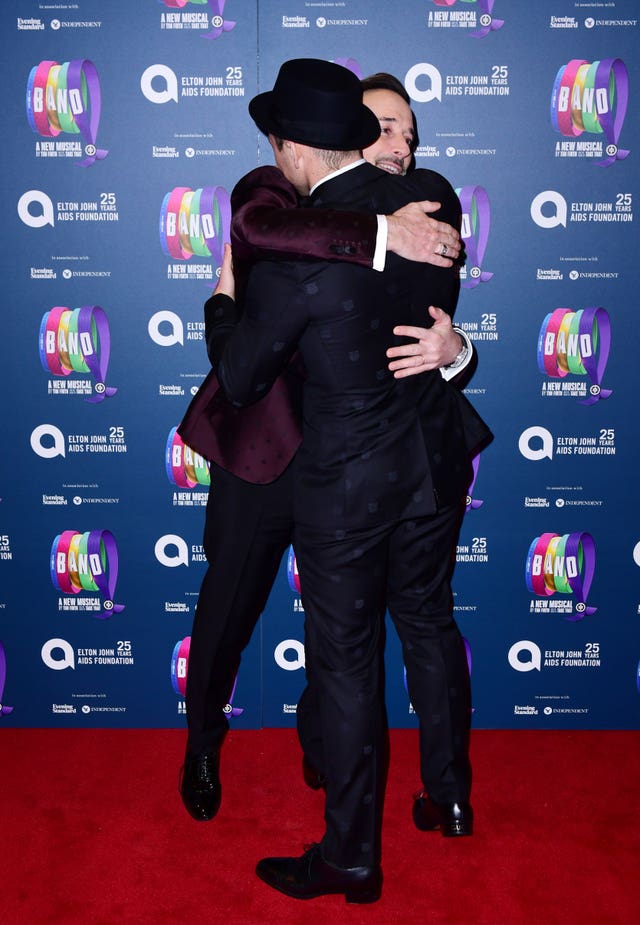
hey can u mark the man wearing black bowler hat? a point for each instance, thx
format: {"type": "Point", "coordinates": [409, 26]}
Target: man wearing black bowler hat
{"type": "Point", "coordinates": [379, 480]}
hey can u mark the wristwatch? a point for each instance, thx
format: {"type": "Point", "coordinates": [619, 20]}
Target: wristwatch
{"type": "Point", "coordinates": [464, 353]}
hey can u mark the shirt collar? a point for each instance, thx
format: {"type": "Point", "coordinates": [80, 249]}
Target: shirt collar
{"type": "Point", "coordinates": [336, 173]}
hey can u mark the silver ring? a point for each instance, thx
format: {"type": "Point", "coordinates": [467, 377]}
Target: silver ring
{"type": "Point", "coordinates": [444, 249]}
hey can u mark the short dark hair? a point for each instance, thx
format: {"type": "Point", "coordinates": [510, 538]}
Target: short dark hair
{"type": "Point", "coordinates": [383, 81]}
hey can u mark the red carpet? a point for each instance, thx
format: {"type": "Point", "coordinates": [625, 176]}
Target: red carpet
{"type": "Point", "coordinates": [92, 832]}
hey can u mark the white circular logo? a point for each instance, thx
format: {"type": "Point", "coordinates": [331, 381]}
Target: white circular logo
{"type": "Point", "coordinates": [321, 22]}
{"type": "Point", "coordinates": [77, 500]}
{"type": "Point", "coordinates": [55, 24]}
{"type": "Point", "coordinates": [67, 274]}
{"type": "Point", "coordinates": [86, 708]}
{"type": "Point", "coordinates": [548, 711]}
{"type": "Point", "coordinates": [559, 502]}
{"type": "Point", "coordinates": [450, 151]}
{"type": "Point", "coordinates": [289, 664]}
{"type": "Point", "coordinates": [574, 275]}
{"type": "Point", "coordinates": [589, 22]}
{"type": "Point", "coordinates": [523, 647]}
{"type": "Point", "coordinates": [189, 152]}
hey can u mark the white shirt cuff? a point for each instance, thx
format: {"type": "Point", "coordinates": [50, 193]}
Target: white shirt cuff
{"type": "Point", "coordinates": [380, 253]}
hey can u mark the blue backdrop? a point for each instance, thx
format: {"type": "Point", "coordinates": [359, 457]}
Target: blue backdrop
{"type": "Point", "coordinates": [126, 127]}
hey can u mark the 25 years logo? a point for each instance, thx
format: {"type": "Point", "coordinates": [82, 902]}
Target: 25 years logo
{"type": "Point", "coordinates": [66, 98]}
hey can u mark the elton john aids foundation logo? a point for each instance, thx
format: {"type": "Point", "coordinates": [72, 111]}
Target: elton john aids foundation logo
{"type": "Point", "coordinates": [485, 18]}
{"type": "Point", "coordinates": [77, 341]}
{"type": "Point", "coordinates": [216, 9]}
{"type": "Point", "coordinates": [86, 562]}
{"type": "Point", "coordinates": [195, 222]}
{"type": "Point", "coordinates": [476, 221]}
{"type": "Point", "coordinates": [562, 565]}
{"type": "Point", "coordinates": [185, 468]}
{"type": "Point", "coordinates": [66, 98]}
{"type": "Point", "coordinates": [577, 343]}
{"type": "Point", "coordinates": [180, 671]}
{"type": "Point", "coordinates": [592, 97]}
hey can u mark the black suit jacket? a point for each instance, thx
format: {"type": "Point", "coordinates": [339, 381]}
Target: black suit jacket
{"type": "Point", "coordinates": [373, 447]}
{"type": "Point", "coordinates": [258, 443]}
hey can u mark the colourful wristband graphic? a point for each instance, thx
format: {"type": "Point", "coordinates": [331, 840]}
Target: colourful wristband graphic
{"type": "Point", "coordinates": [180, 673]}
{"type": "Point", "coordinates": [180, 666]}
{"type": "Point", "coordinates": [66, 98]}
{"type": "Point", "coordinates": [195, 222]}
{"type": "Point", "coordinates": [592, 97]}
{"type": "Point", "coordinates": [86, 562]}
{"type": "Point", "coordinates": [563, 565]}
{"type": "Point", "coordinates": [4, 709]}
{"type": "Point", "coordinates": [578, 343]}
{"type": "Point", "coordinates": [472, 503]}
{"type": "Point", "coordinates": [476, 221]}
{"type": "Point", "coordinates": [77, 340]}
{"type": "Point", "coordinates": [184, 467]}
{"type": "Point", "coordinates": [293, 576]}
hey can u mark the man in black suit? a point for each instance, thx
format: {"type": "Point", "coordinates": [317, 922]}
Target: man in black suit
{"type": "Point", "coordinates": [251, 475]}
{"type": "Point", "coordinates": [379, 480]}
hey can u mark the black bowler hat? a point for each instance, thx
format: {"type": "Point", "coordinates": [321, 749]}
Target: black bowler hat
{"type": "Point", "coordinates": [316, 103]}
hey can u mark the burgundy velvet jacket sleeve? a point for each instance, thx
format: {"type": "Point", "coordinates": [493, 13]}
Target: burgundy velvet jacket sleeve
{"type": "Point", "coordinates": [268, 224]}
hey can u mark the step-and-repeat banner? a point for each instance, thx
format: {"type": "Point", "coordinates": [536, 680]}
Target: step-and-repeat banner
{"type": "Point", "coordinates": [126, 127]}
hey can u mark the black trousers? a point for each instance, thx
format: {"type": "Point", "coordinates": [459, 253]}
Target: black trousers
{"type": "Point", "coordinates": [345, 582]}
{"type": "Point", "coordinates": [247, 530]}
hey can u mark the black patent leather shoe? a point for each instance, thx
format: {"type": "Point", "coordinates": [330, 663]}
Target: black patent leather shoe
{"type": "Point", "coordinates": [312, 778]}
{"type": "Point", "coordinates": [311, 876]}
{"type": "Point", "coordinates": [451, 818]}
{"type": "Point", "coordinates": [200, 784]}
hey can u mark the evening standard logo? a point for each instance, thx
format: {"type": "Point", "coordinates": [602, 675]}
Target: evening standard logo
{"type": "Point", "coordinates": [525, 710]}
{"type": "Point", "coordinates": [563, 22]}
{"type": "Point", "coordinates": [549, 275]}
{"type": "Point", "coordinates": [66, 99]}
{"type": "Point", "coordinates": [30, 25]}
{"type": "Point", "coordinates": [76, 342]}
{"type": "Point", "coordinates": [591, 97]}
{"type": "Point", "coordinates": [562, 565]}
{"type": "Point", "coordinates": [159, 84]}
{"type": "Point", "coordinates": [575, 343]}
{"type": "Point", "coordinates": [185, 19]}
{"type": "Point", "coordinates": [295, 22]}
{"type": "Point", "coordinates": [476, 13]}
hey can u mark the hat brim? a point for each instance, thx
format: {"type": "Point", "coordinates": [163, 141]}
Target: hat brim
{"type": "Point", "coordinates": [360, 133]}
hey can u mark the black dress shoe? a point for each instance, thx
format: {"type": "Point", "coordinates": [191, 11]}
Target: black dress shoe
{"type": "Point", "coordinates": [311, 875]}
{"type": "Point", "coordinates": [451, 818]}
{"type": "Point", "coordinates": [200, 784]}
{"type": "Point", "coordinates": [312, 778]}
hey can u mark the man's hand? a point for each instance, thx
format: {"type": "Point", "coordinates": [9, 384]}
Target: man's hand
{"type": "Point", "coordinates": [226, 284]}
{"type": "Point", "coordinates": [434, 347]}
{"type": "Point", "coordinates": [414, 235]}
